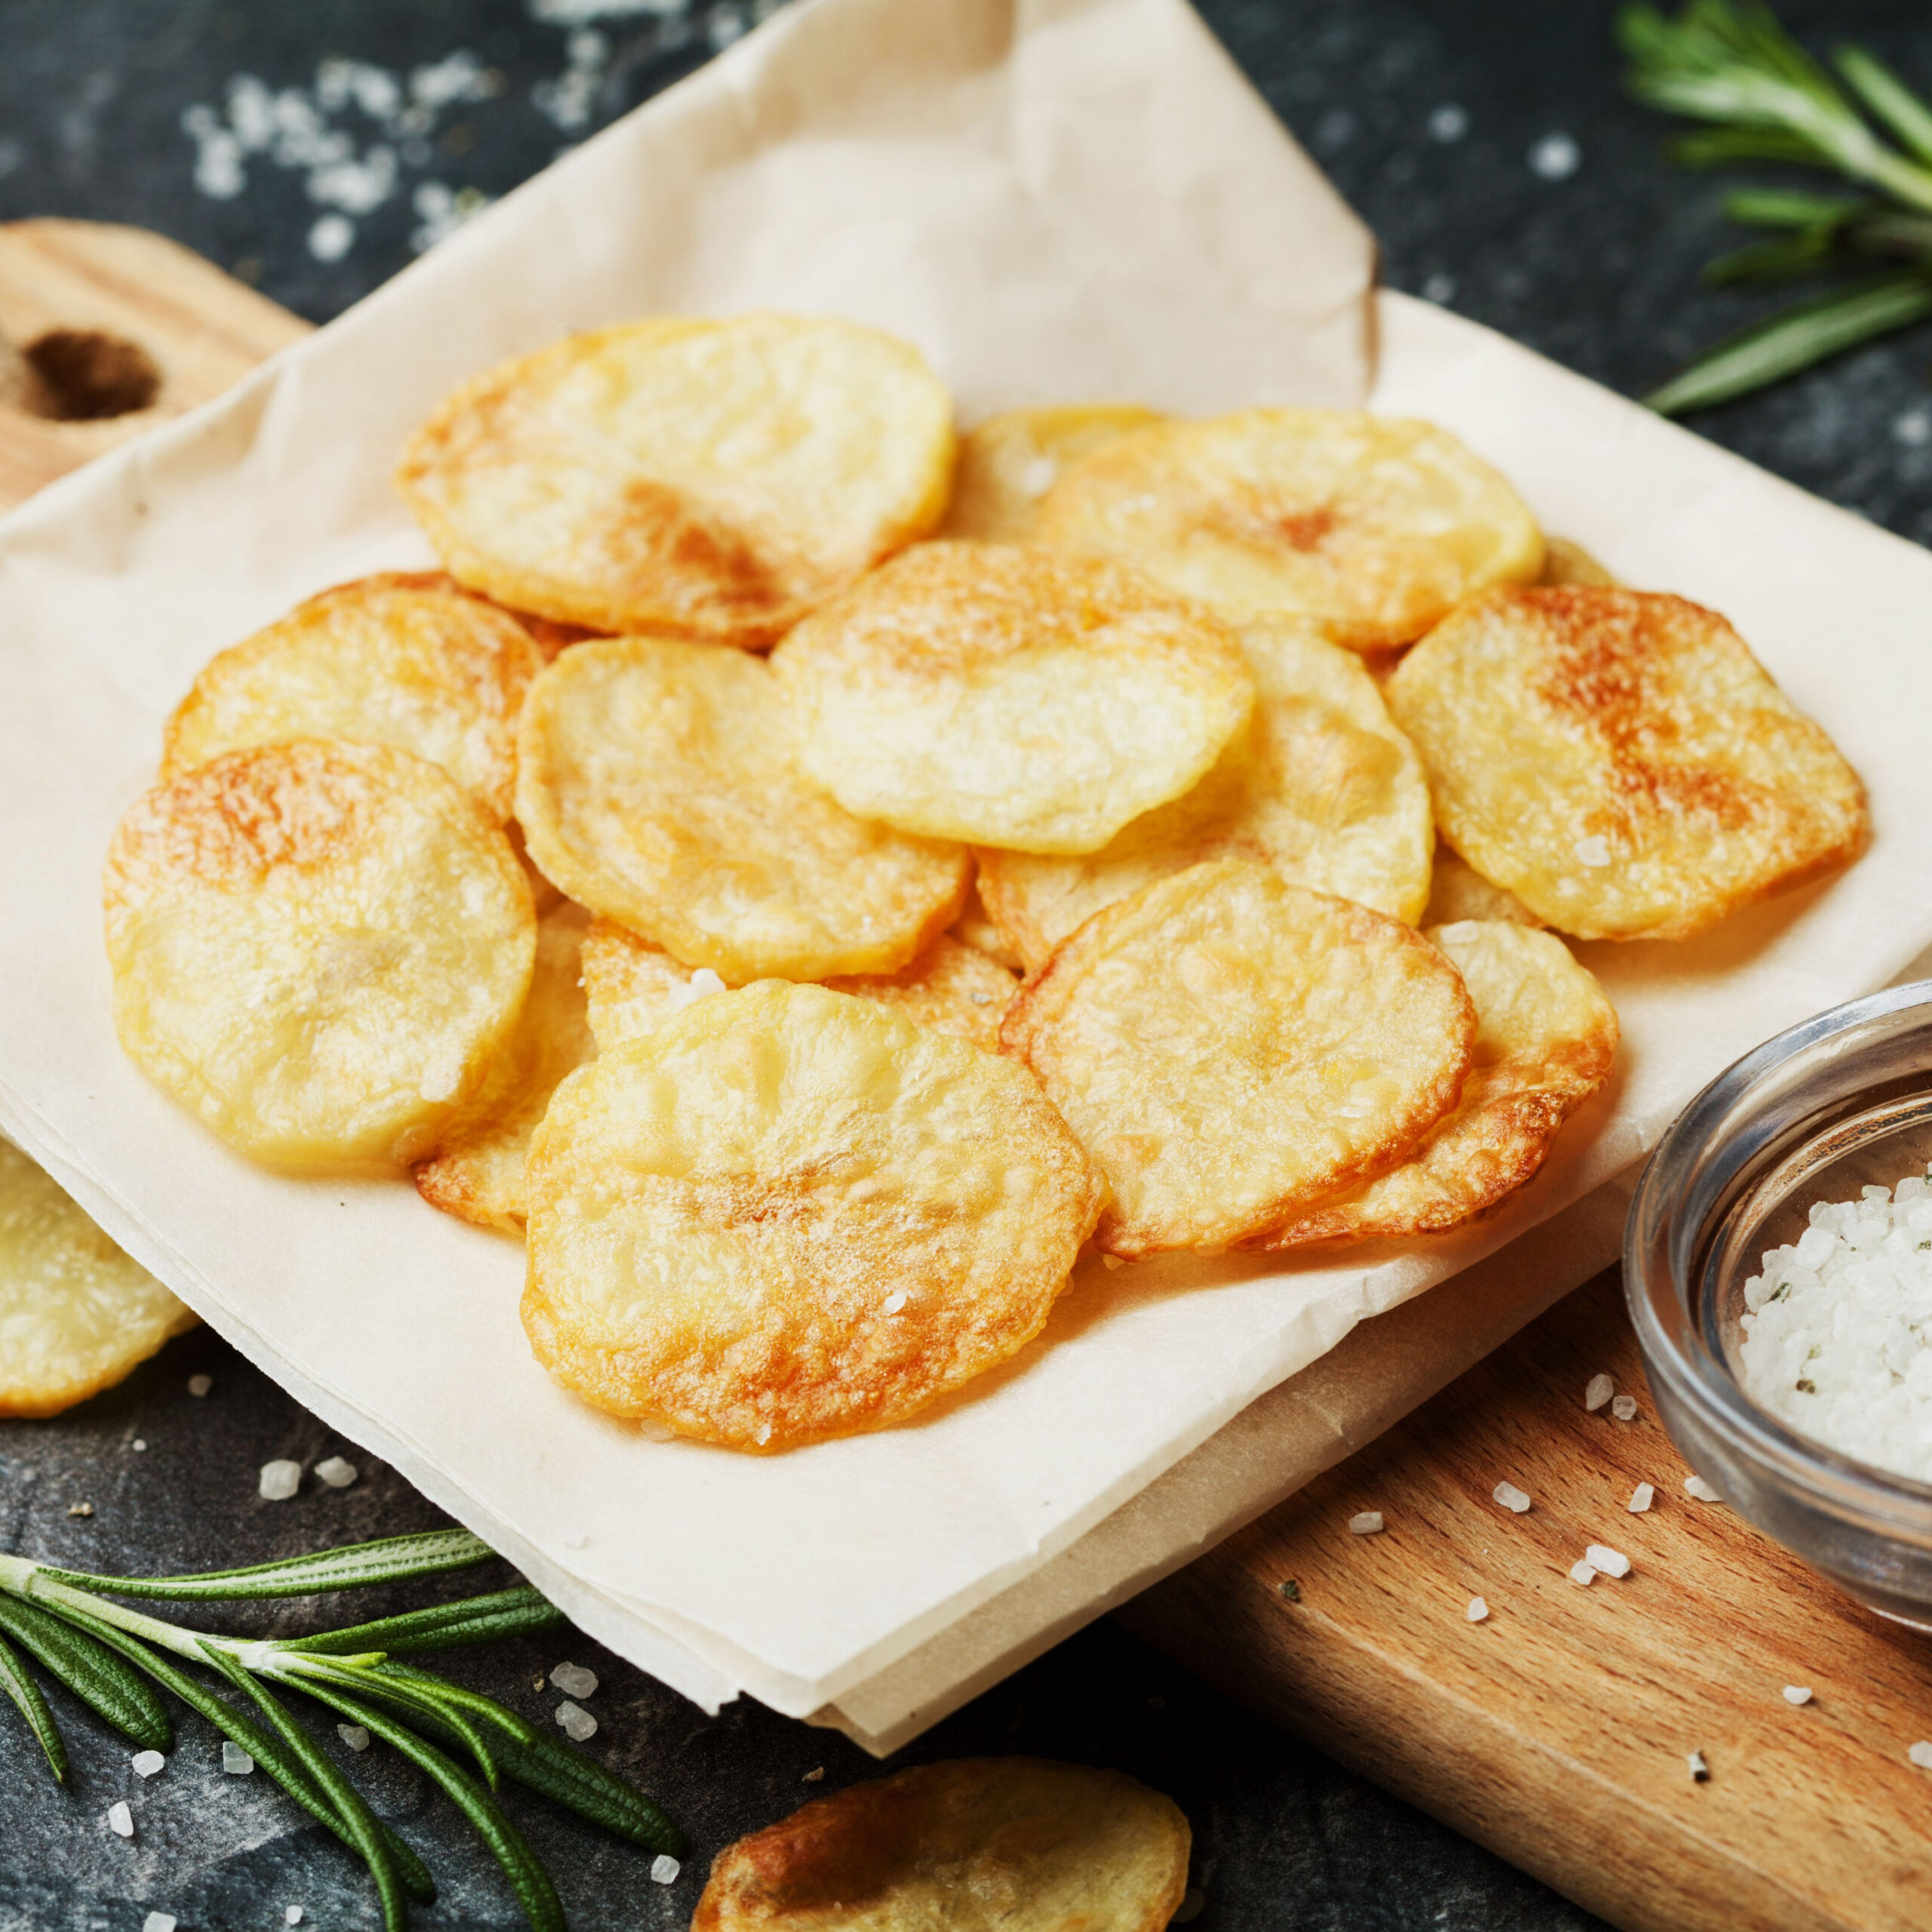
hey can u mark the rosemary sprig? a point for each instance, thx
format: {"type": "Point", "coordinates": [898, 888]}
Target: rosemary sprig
{"type": "Point", "coordinates": [112, 1657]}
{"type": "Point", "coordinates": [1730, 64]}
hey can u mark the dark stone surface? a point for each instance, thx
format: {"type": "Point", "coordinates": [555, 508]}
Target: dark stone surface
{"type": "Point", "coordinates": [1596, 269]}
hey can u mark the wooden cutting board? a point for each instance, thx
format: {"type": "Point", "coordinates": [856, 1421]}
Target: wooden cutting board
{"type": "Point", "coordinates": [1558, 1730]}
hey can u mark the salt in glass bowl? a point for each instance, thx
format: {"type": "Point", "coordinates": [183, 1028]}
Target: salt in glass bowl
{"type": "Point", "coordinates": [1840, 1102]}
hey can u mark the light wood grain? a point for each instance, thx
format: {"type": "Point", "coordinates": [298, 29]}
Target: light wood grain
{"type": "Point", "coordinates": [203, 330]}
{"type": "Point", "coordinates": [1557, 1731]}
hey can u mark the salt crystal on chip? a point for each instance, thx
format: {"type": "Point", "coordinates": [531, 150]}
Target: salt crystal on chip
{"type": "Point", "coordinates": [1624, 1408]}
{"type": "Point", "coordinates": [280, 1480]}
{"type": "Point", "coordinates": [1598, 1392]}
{"type": "Point", "coordinates": [120, 1820]}
{"type": "Point", "coordinates": [894, 1302]}
{"type": "Point", "coordinates": [1796, 1693]}
{"type": "Point", "coordinates": [147, 1763]}
{"type": "Point", "coordinates": [1611, 1562]}
{"type": "Point", "coordinates": [336, 1473]}
{"type": "Point", "coordinates": [1477, 1610]}
{"type": "Point", "coordinates": [1583, 1573]}
{"type": "Point", "coordinates": [1511, 1497]}
{"type": "Point", "coordinates": [1642, 1497]}
{"type": "Point", "coordinates": [664, 1869]}
{"type": "Point", "coordinates": [579, 1725]}
{"type": "Point", "coordinates": [574, 1680]}
{"type": "Point", "coordinates": [235, 1760]}
{"type": "Point", "coordinates": [1367, 1524]}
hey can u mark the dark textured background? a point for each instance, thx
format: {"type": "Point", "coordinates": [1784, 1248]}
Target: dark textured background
{"type": "Point", "coordinates": [100, 102]}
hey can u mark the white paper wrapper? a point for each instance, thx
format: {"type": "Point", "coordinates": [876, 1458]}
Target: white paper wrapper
{"type": "Point", "coordinates": [1060, 202]}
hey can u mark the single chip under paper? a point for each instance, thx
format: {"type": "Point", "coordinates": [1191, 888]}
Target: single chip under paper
{"type": "Point", "coordinates": [712, 478]}
{"type": "Point", "coordinates": [1620, 761]}
{"type": "Point", "coordinates": [1010, 696]}
{"type": "Point", "coordinates": [1377, 525]}
{"type": "Point", "coordinates": [475, 1170]}
{"type": "Point", "coordinates": [316, 947]}
{"type": "Point", "coordinates": [1008, 464]}
{"type": "Point", "coordinates": [1457, 891]}
{"type": "Point", "coordinates": [788, 1215]}
{"type": "Point", "coordinates": [408, 661]}
{"type": "Point", "coordinates": [76, 1313]}
{"type": "Point", "coordinates": [1231, 1048]}
{"type": "Point", "coordinates": [1318, 784]}
{"type": "Point", "coordinates": [1020, 1844]}
{"type": "Point", "coordinates": [658, 786]}
{"type": "Point", "coordinates": [1546, 1038]}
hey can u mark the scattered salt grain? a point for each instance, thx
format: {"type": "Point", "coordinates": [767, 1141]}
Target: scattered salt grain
{"type": "Point", "coordinates": [1555, 157]}
{"type": "Point", "coordinates": [1624, 1408]}
{"type": "Point", "coordinates": [700, 985]}
{"type": "Point", "coordinates": [1039, 476]}
{"type": "Point", "coordinates": [1796, 1693]}
{"type": "Point", "coordinates": [664, 1869]}
{"type": "Point", "coordinates": [894, 1303]}
{"type": "Point", "coordinates": [354, 1736]}
{"type": "Point", "coordinates": [159, 1921]}
{"type": "Point", "coordinates": [280, 1480]}
{"type": "Point", "coordinates": [1477, 1610]}
{"type": "Point", "coordinates": [200, 1385]}
{"type": "Point", "coordinates": [1920, 1755]}
{"type": "Point", "coordinates": [120, 1820]}
{"type": "Point", "coordinates": [1642, 1497]}
{"type": "Point", "coordinates": [1700, 1771]}
{"type": "Point", "coordinates": [235, 1760]}
{"type": "Point", "coordinates": [1511, 1497]}
{"type": "Point", "coordinates": [147, 1763]}
{"type": "Point", "coordinates": [579, 1725]}
{"type": "Point", "coordinates": [336, 1473]}
{"type": "Point", "coordinates": [137, 1444]}
{"type": "Point", "coordinates": [1368, 1523]}
{"type": "Point", "coordinates": [574, 1680]}
{"type": "Point", "coordinates": [816, 1775]}
{"type": "Point", "coordinates": [291, 1915]}
{"type": "Point", "coordinates": [762, 1434]}
{"type": "Point", "coordinates": [80, 1508]}
{"type": "Point", "coordinates": [1583, 1573]}
{"type": "Point", "coordinates": [1593, 851]}
{"type": "Point", "coordinates": [1599, 1391]}
{"type": "Point", "coordinates": [1697, 1487]}
{"type": "Point", "coordinates": [1611, 1562]}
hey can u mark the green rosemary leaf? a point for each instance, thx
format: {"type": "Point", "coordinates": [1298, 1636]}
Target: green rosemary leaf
{"type": "Point", "coordinates": [569, 1778]}
{"type": "Point", "coordinates": [1896, 232]}
{"type": "Point", "coordinates": [1795, 339]}
{"type": "Point", "coordinates": [1887, 99]}
{"type": "Point", "coordinates": [92, 1671]}
{"type": "Point", "coordinates": [1718, 147]}
{"type": "Point", "coordinates": [32, 1705]}
{"type": "Point", "coordinates": [365, 1831]}
{"type": "Point", "coordinates": [1779, 259]}
{"type": "Point", "coordinates": [392, 1559]}
{"type": "Point", "coordinates": [531, 1883]}
{"type": "Point", "coordinates": [520, 1612]}
{"type": "Point", "coordinates": [1788, 208]}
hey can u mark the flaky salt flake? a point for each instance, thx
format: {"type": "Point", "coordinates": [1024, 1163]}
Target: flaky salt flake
{"type": "Point", "coordinates": [120, 1820]}
{"type": "Point", "coordinates": [894, 1303]}
{"type": "Point", "coordinates": [1611, 1562]}
{"type": "Point", "coordinates": [159, 1921]}
{"type": "Point", "coordinates": [280, 1480]}
{"type": "Point", "coordinates": [1599, 1391]}
{"type": "Point", "coordinates": [200, 1385]}
{"type": "Point", "coordinates": [664, 1869]}
{"type": "Point", "coordinates": [1642, 1497]}
{"type": "Point", "coordinates": [147, 1763]}
{"type": "Point", "coordinates": [579, 1725]}
{"type": "Point", "coordinates": [1511, 1497]}
{"type": "Point", "coordinates": [354, 1736]}
{"type": "Point", "coordinates": [1478, 1609]}
{"type": "Point", "coordinates": [574, 1680]}
{"type": "Point", "coordinates": [1368, 1523]}
{"type": "Point", "coordinates": [1700, 1771]}
{"type": "Point", "coordinates": [236, 1762]}
{"type": "Point", "coordinates": [1583, 1573]}
{"type": "Point", "coordinates": [291, 1915]}
{"type": "Point", "coordinates": [1697, 1487]}
{"type": "Point", "coordinates": [1796, 1693]}
{"type": "Point", "coordinates": [1624, 1408]}
{"type": "Point", "coordinates": [1593, 851]}
{"type": "Point", "coordinates": [336, 1473]}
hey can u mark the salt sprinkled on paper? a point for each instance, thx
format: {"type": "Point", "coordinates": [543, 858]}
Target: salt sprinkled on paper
{"type": "Point", "coordinates": [574, 1680]}
{"type": "Point", "coordinates": [664, 1869]}
{"type": "Point", "coordinates": [1478, 1609]}
{"type": "Point", "coordinates": [1641, 1499]}
{"type": "Point", "coordinates": [1611, 1562]}
{"type": "Point", "coordinates": [1511, 1497]}
{"type": "Point", "coordinates": [280, 1480]}
{"type": "Point", "coordinates": [1796, 1693]}
{"type": "Point", "coordinates": [579, 1725]}
{"type": "Point", "coordinates": [1599, 1392]}
{"type": "Point", "coordinates": [1368, 1523]}
{"type": "Point", "coordinates": [336, 1473]}
{"type": "Point", "coordinates": [1697, 1487]}
{"type": "Point", "coordinates": [1583, 1573]}
{"type": "Point", "coordinates": [120, 1820]}
{"type": "Point", "coordinates": [235, 1760]}
{"type": "Point", "coordinates": [147, 1763]}
{"type": "Point", "coordinates": [354, 1736]}
{"type": "Point", "coordinates": [1920, 1755]}
{"type": "Point", "coordinates": [1624, 1408]}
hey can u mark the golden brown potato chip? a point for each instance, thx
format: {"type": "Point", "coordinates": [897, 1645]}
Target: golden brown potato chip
{"type": "Point", "coordinates": [1009, 697]}
{"type": "Point", "coordinates": [1457, 891]}
{"type": "Point", "coordinates": [1008, 464]}
{"type": "Point", "coordinates": [317, 947]}
{"type": "Point", "coordinates": [975, 1845]}
{"type": "Point", "coordinates": [75, 1313]}
{"type": "Point", "coordinates": [974, 928]}
{"type": "Point", "coordinates": [788, 1214]}
{"type": "Point", "coordinates": [1317, 784]}
{"type": "Point", "coordinates": [475, 1171]}
{"type": "Point", "coordinates": [1231, 1048]}
{"type": "Point", "coordinates": [1566, 562]}
{"type": "Point", "coordinates": [1620, 762]}
{"type": "Point", "coordinates": [712, 478]}
{"type": "Point", "coordinates": [1374, 524]}
{"type": "Point", "coordinates": [1545, 1037]}
{"type": "Point", "coordinates": [633, 987]}
{"type": "Point", "coordinates": [657, 786]}
{"type": "Point", "coordinates": [386, 660]}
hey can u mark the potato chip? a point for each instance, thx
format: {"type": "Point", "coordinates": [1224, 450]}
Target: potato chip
{"type": "Point", "coordinates": [386, 660]}
{"type": "Point", "coordinates": [1231, 1049]}
{"type": "Point", "coordinates": [475, 1171]}
{"type": "Point", "coordinates": [1620, 762]}
{"type": "Point", "coordinates": [76, 1313]}
{"type": "Point", "coordinates": [658, 786]}
{"type": "Point", "coordinates": [985, 1844]}
{"type": "Point", "coordinates": [1011, 697]}
{"type": "Point", "coordinates": [1545, 1037]}
{"type": "Point", "coordinates": [1566, 562]}
{"type": "Point", "coordinates": [317, 947]}
{"type": "Point", "coordinates": [1457, 891]}
{"type": "Point", "coordinates": [788, 1214]}
{"type": "Point", "coordinates": [1008, 464]}
{"type": "Point", "coordinates": [1317, 784]}
{"type": "Point", "coordinates": [974, 928]}
{"type": "Point", "coordinates": [1375, 525]}
{"type": "Point", "coordinates": [715, 479]}
{"type": "Point", "coordinates": [634, 987]}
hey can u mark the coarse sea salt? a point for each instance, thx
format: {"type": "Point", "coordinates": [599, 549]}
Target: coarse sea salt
{"type": "Point", "coordinates": [1368, 1523]}
{"type": "Point", "coordinates": [1611, 1562]}
{"type": "Point", "coordinates": [1796, 1693]}
{"type": "Point", "coordinates": [337, 1472]}
{"type": "Point", "coordinates": [280, 1480]}
{"type": "Point", "coordinates": [579, 1726]}
{"type": "Point", "coordinates": [1837, 1328]}
{"type": "Point", "coordinates": [574, 1680]}
{"type": "Point", "coordinates": [1624, 1408]}
{"type": "Point", "coordinates": [664, 1868]}
{"type": "Point", "coordinates": [1583, 1572]}
{"type": "Point", "coordinates": [120, 1820]}
{"type": "Point", "coordinates": [1511, 1497]}
{"type": "Point", "coordinates": [236, 1762]}
{"type": "Point", "coordinates": [1697, 1487]}
{"type": "Point", "coordinates": [354, 1736]}
{"type": "Point", "coordinates": [1642, 1497]}
{"type": "Point", "coordinates": [159, 1921]}
{"type": "Point", "coordinates": [1478, 1609]}
{"type": "Point", "coordinates": [1920, 1755]}
{"type": "Point", "coordinates": [1598, 1392]}
{"type": "Point", "coordinates": [147, 1763]}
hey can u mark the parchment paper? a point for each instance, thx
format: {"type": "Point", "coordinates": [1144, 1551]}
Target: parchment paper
{"type": "Point", "coordinates": [1056, 202]}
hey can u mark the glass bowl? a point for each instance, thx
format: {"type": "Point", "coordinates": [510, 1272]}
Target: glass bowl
{"type": "Point", "coordinates": [1843, 1100]}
